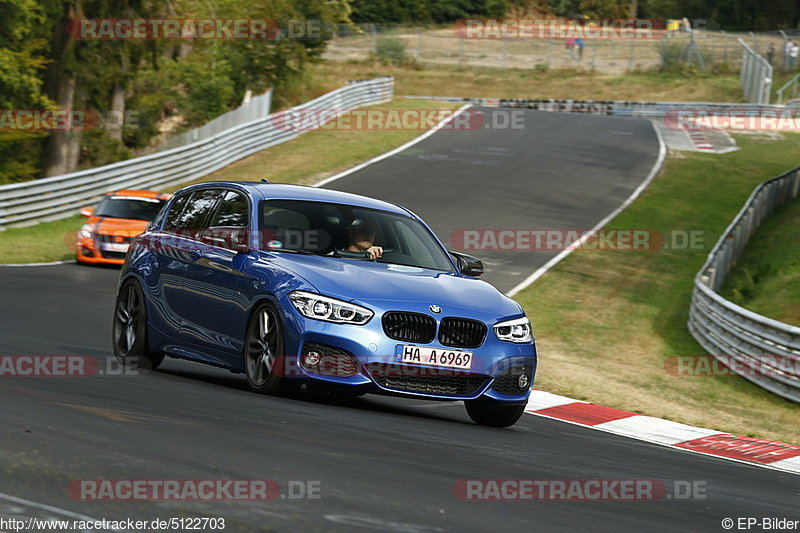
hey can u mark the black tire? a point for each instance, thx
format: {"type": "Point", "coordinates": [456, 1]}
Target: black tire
{"type": "Point", "coordinates": [129, 331]}
{"type": "Point", "coordinates": [494, 414]}
{"type": "Point", "coordinates": [264, 358]}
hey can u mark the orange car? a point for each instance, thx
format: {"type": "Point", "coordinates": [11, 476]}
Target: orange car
{"type": "Point", "coordinates": [120, 216]}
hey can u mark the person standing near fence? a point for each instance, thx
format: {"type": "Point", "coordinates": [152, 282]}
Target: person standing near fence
{"type": "Point", "coordinates": [793, 53]}
{"type": "Point", "coordinates": [570, 47]}
{"type": "Point", "coordinates": [787, 49]}
{"type": "Point", "coordinates": [771, 54]}
{"type": "Point", "coordinates": [580, 43]}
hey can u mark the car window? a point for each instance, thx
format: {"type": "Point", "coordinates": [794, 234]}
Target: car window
{"type": "Point", "coordinates": [329, 229]}
{"type": "Point", "coordinates": [411, 244]}
{"type": "Point", "coordinates": [194, 218]}
{"type": "Point", "coordinates": [174, 212]}
{"type": "Point", "coordinates": [233, 211]}
{"type": "Point", "coordinates": [129, 207]}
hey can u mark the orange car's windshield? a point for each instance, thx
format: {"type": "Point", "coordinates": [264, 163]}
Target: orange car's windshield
{"type": "Point", "coordinates": [130, 207]}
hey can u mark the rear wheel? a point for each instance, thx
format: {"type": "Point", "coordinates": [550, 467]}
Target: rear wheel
{"type": "Point", "coordinates": [495, 414]}
{"type": "Point", "coordinates": [264, 359]}
{"type": "Point", "coordinates": [129, 333]}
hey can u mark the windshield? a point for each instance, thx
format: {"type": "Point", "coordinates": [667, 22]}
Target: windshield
{"type": "Point", "coordinates": [335, 229]}
{"type": "Point", "coordinates": [130, 207]}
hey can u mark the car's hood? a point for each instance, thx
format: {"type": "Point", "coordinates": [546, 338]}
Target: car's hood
{"type": "Point", "coordinates": [388, 285]}
{"type": "Point", "coordinates": [119, 226]}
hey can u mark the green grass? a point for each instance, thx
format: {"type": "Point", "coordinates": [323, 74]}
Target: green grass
{"type": "Point", "coordinates": [607, 322]}
{"type": "Point", "coordinates": [49, 241]}
{"type": "Point", "coordinates": [767, 278]}
{"type": "Point", "coordinates": [308, 159]}
{"type": "Point", "coordinates": [477, 82]}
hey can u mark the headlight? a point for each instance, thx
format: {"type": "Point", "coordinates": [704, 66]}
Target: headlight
{"type": "Point", "coordinates": [86, 231]}
{"type": "Point", "coordinates": [329, 309]}
{"type": "Point", "coordinates": [517, 330]}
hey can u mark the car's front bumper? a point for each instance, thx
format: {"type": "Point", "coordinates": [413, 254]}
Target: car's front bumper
{"type": "Point", "coordinates": [88, 252]}
{"type": "Point", "coordinates": [376, 365]}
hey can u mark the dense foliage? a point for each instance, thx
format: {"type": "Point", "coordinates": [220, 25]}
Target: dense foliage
{"type": "Point", "coordinates": [43, 65]}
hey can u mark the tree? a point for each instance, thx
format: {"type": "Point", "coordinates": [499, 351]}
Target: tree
{"type": "Point", "coordinates": [22, 62]}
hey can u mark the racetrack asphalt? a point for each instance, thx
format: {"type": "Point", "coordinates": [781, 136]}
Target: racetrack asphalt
{"type": "Point", "coordinates": [383, 464]}
{"type": "Point", "coordinates": [560, 172]}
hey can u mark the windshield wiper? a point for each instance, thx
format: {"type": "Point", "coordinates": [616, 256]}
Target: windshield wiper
{"type": "Point", "coordinates": [300, 252]}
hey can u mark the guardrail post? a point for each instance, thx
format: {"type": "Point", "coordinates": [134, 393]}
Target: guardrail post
{"type": "Point", "coordinates": [725, 47]}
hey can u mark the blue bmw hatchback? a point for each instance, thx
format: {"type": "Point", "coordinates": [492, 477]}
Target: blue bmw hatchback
{"type": "Point", "coordinates": [296, 285]}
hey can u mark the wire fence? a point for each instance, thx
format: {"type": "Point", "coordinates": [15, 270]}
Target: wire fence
{"type": "Point", "coordinates": [756, 76]}
{"type": "Point", "coordinates": [443, 45]}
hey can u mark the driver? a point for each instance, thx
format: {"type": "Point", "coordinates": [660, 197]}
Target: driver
{"type": "Point", "coordinates": [362, 235]}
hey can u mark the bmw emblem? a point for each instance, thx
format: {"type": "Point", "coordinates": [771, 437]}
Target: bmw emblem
{"type": "Point", "coordinates": [435, 309]}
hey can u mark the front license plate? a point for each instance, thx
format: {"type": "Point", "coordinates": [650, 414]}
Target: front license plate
{"type": "Point", "coordinates": [436, 357]}
{"type": "Point", "coordinates": [114, 247]}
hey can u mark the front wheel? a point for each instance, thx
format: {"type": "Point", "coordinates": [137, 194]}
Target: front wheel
{"type": "Point", "coordinates": [495, 414]}
{"type": "Point", "coordinates": [264, 360]}
{"type": "Point", "coordinates": [129, 335]}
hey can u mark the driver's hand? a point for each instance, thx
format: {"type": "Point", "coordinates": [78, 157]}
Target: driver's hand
{"type": "Point", "coordinates": [375, 252]}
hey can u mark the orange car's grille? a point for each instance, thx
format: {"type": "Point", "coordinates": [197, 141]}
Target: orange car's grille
{"type": "Point", "coordinates": [109, 239]}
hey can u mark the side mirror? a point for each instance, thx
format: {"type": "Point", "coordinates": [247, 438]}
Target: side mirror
{"type": "Point", "coordinates": [467, 264]}
{"type": "Point", "coordinates": [87, 211]}
{"type": "Point", "coordinates": [234, 239]}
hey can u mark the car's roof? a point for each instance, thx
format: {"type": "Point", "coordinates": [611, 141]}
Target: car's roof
{"type": "Point", "coordinates": [283, 191]}
{"type": "Point", "coordinates": [139, 193]}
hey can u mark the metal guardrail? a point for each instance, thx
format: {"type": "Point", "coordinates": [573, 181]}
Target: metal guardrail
{"type": "Point", "coordinates": [252, 109]}
{"type": "Point", "coordinates": [756, 76]}
{"type": "Point", "coordinates": [791, 83]}
{"type": "Point", "coordinates": [27, 203]}
{"type": "Point", "coordinates": [767, 348]}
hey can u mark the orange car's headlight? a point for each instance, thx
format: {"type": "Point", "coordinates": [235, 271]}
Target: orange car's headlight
{"type": "Point", "coordinates": [86, 231]}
